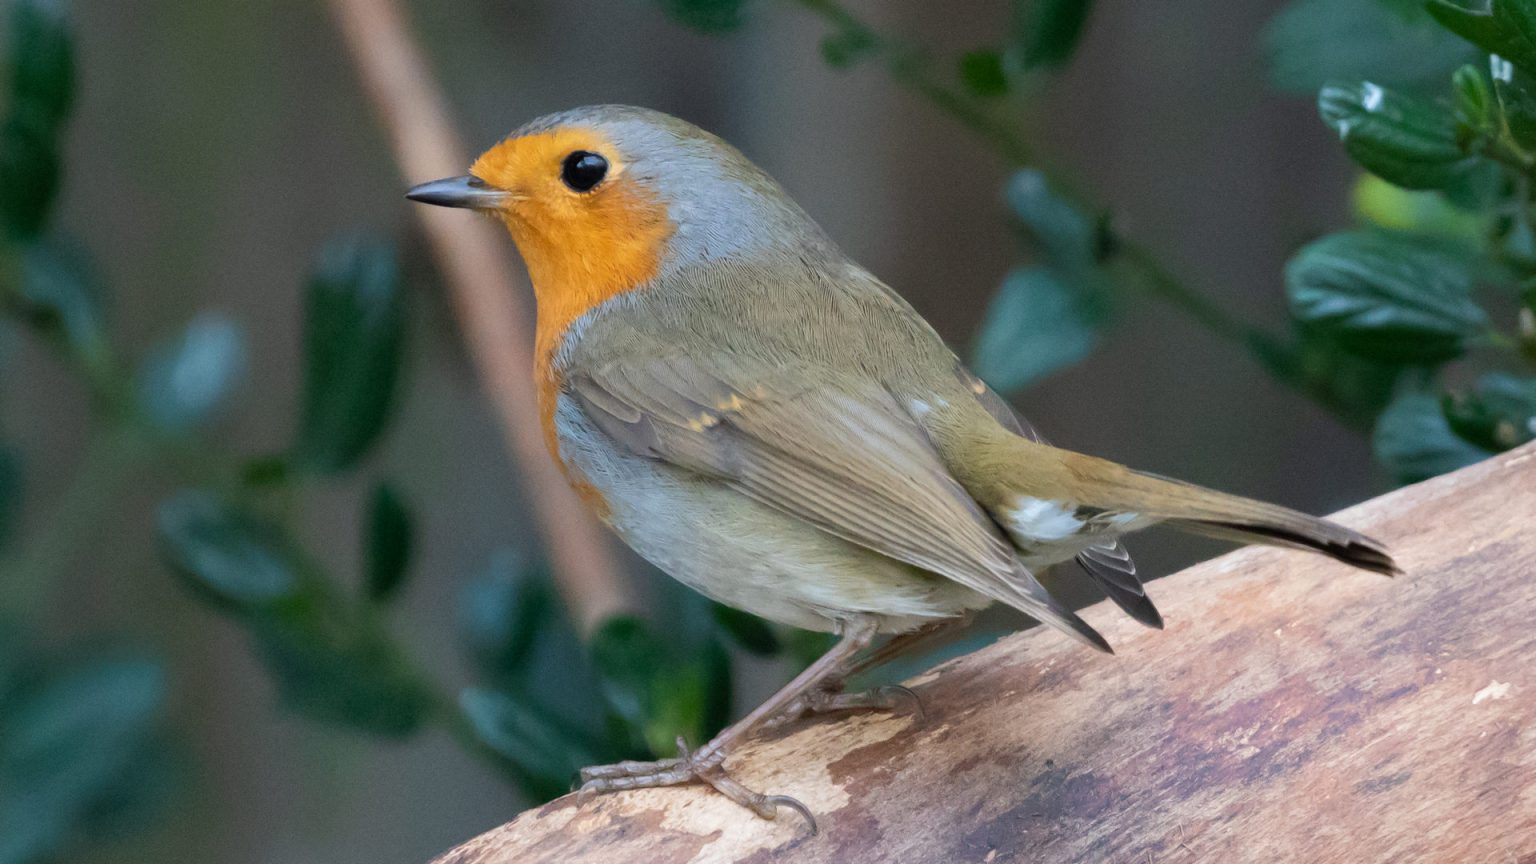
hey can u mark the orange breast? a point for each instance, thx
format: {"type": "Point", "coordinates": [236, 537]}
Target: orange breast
{"type": "Point", "coordinates": [549, 394]}
{"type": "Point", "coordinates": [581, 249]}
{"type": "Point", "coordinates": [578, 269]}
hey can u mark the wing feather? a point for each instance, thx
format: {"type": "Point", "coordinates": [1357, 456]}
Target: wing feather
{"type": "Point", "coordinates": [850, 462]}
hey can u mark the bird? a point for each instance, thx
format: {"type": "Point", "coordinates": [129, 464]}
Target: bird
{"type": "Point", "coordinates": [766, 421]}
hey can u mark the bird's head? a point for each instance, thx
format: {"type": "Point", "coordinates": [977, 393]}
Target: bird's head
{"type": "Point", "coordinates": [604, 199]}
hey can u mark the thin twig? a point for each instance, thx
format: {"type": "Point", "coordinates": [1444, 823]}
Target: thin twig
{"type": "Point", "coordinates": [486, 295]}
{"type": "Point", "coordinates": [909, 70]}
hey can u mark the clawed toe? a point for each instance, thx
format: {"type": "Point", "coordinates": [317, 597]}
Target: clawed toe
{"type": "Point", "coordinates": [893, 695]}
{"type": "Point", "coordinates": [627, 769]}
{"type": "Point", "coordinates": [687, 767]}
{"type": "Point", "coordinates": [765, 806]}
{"type": "Point", "coordinates": [777, 801]}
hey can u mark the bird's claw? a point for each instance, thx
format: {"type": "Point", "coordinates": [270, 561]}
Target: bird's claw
{"type": "Point", "coordinates": [777, 801]}
{"type": "Point", "coordinates": [688, 766]}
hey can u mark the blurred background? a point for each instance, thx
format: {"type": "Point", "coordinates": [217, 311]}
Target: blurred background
{"type": "Point", "coordinates": [220, 162]}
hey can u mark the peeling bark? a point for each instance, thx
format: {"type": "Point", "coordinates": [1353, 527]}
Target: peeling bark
{"type": "Point", "coordinates": [1293, 710]}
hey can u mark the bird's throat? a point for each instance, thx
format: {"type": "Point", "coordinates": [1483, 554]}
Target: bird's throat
{"type": "Point", "coordinates": [579, 264]}
{"type": "Point", "coordinates": [576, 264]}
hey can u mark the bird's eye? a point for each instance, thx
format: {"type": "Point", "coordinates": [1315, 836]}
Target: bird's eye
{"type": "Point", "coordinates": [583, 170]}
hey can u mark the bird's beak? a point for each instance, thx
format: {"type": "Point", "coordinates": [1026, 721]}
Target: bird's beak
{"type": "Point", "coordinates": [467, 191]}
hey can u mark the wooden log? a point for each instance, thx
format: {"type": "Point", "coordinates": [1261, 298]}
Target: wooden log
{"type": "Point", "coordinates": [1293, 710]}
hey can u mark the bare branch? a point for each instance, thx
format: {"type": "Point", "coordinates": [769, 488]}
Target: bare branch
{"type": "Point", "coordinates": [486, 293]}
{"type": "Point", "coordinates": [1294, 710]}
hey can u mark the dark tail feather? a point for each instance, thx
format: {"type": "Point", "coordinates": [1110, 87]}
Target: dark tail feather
{"type": "Point", "coordinates": [1233, 517]}
{"type": "Point", "coordinates": [1329, 538]}
{"type": "Point", "coordinates": [1138, 606]}
{"type": "Point", "coordinates": [1111, 568]}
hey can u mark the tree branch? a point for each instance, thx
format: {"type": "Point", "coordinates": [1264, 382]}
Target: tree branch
{"type": "Point", "coordinates": [1293, 710]}
{"type": "Point", "coordinates": [486, 295]}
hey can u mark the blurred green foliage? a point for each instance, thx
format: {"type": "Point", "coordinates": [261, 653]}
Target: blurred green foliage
{"type": "Point", "coordinates": [1392, 319]}
{"type": "Point", "coordinates": [1392, 42]}
{"type": "Point", "coordinates": [1418, 324]}
{"type": "Point", "coordinates": [353, 334]}
{"type": "Point", "coordinates": [231, 535]}
{"type": "Point", "coordinates": [84, 754]}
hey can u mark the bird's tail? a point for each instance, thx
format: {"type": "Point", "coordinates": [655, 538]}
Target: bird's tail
{"type": "Point", "coordinates": [1198, 510]}
{"type": "Point", "coordinates": [1060, 475]}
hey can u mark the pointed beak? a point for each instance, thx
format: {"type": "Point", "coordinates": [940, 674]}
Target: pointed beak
{"type": "Point", "coordinates": [467, 191]}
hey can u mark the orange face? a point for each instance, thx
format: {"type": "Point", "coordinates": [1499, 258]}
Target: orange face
{"type": "Point", "coordinates": [582, 246]}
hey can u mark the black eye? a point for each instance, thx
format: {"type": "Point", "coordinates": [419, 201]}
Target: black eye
{"type": "Point", "coordinates": [583, 169]}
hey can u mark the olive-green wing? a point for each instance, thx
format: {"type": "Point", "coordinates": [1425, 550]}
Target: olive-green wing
{"type": "Point", "coordinates": [849, 461]}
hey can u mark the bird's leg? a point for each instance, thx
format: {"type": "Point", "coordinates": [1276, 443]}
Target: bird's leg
{"type": "Point", "coordinates": [705, 763]}
{"type": "Point", "coordinates": [829, 695]}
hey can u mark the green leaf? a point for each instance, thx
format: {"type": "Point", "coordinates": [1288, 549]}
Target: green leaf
{"type": "Point", "coordinates": [745, 629]}
{"type": "Point", "coordinates": [1498, 415]}
{"type": "Point", "coordinates": [186, 381]}
{"type": "Point", "coordinates": [1358, 387]}
{"type": "Point", "coordinates": [1390, 297]}
{"type": "Point", "coordinates": [1397, 45]}
{"type": "Point", "coordinates": [1414, 442]}
{"type": "Point", "coordinates": [1478, 191]}
{"type": "Point", "coordinates": [626, 655]}
{"type": "Point", "coordinates": [265, 472]}
{"type": "Point", "coordinates": [1069, 239]}
{"type": "Point", "coordinates": [1405, 140]}
{"type": "Point", "coordinates": [1515, 91]}
{"type": "Point", "coordinates": [59, 299]}
{"type": "Point", "coordinates": [654, 694]}
{"type": "Point", "coordinates": [330, 658]}
{"type": "Point", "coordinates": [82, 752]}
{"type": "Point", "coordinates": [41, 57]}
{"type": "Point", "coordinates": [843, 48]}
{"type": "Point", "coordinates": [502, 611]}
{"type": "Point", "coordinates": [1507, 28]}
{"type": "Point", "coordinates": [10, 494]}
{"type": "Point", "coordinates": [982, 73]}
{"type": "Point", "coordinates": [353, 334]}
{"type": "Point", "coordinates": [29, 176]}
{"type": "Point", "coordinates": [1037, 324]}
{"type": "Point", "coordinates": [230, 557]}
{"type": "Point", "coordinates": [334, 665]}
{"type": "Point", "coordinates": [806, 646]}
{"type": "Point", "coordinates": [692, 699]}
{"type": "Point", "coordinates": [40, 71]}
{"type": "Point", "coordinates": [1394, 208]}
{"type": "Point", "coordinates": [708, 16]}
{"type": "Point", "coordinates": [1046, 32]}
{"type": "Point", "coordinates": [1474, 96]}
{"type": "Point", "coordinates": [546, 756]}
{"type": "Point", "coordinates": [389, 543]}
{"type": "Point", "coordinates": [1525, 334]}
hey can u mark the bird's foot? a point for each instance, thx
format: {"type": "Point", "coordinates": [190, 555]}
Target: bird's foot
{"type": "Point", "coordinates": [831, 697]}
{"type": "Point", "coordinates": [703, 766]}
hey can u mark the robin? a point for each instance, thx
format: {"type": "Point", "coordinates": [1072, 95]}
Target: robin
{"type": "Point", "coordinates": [765, 420]}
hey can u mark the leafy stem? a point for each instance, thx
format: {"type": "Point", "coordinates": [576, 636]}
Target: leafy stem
{"type": "Point", "coordinates": [910, 69]}
{"type": "Point", "coordinates": [1150, 274]}
{"type": "Point", "coordinates": [1141, 266]}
